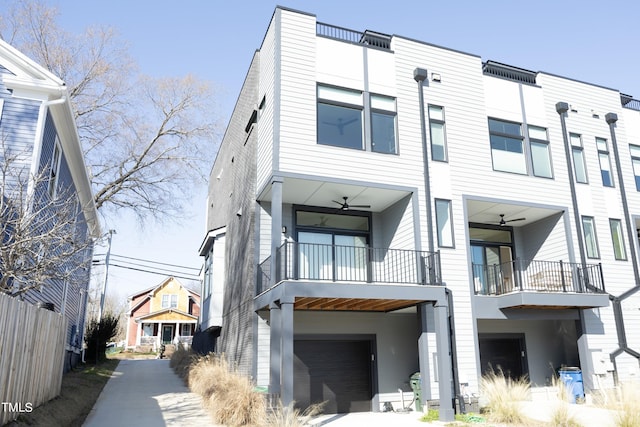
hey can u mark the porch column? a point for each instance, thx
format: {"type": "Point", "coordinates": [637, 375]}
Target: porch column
{"type": "Point", "coordinates": [159, 338]}
{"type": "Point", "coordinates": [276, 225]}
{"type": "Point", "coordinates": [423, 352]}
{"type": "Point", "coordinates": [177, 335]}
{"type": "Point", "coordinates": [139, 334]}
{"type": "Point", "coordinates": [275, 338]}
{"type": "Point", "coordinates": [445, 378]}
{"type": "Point", "coordinates": [286, 312]}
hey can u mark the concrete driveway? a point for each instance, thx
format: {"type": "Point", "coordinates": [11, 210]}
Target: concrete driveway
{"type": "Point", "coordinates": [147, 393]}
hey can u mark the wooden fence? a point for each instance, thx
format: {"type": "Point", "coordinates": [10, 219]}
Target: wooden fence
{"type": "Point", "coordinates": [31, 356]}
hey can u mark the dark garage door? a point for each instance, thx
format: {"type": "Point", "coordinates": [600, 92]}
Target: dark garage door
{"type": "Point", "coordinates": [338, 372]}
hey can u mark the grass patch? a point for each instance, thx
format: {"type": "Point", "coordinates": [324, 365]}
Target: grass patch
{"type": "Point", "coordinates": [624, 400]}
{"type": "Point", "coordinates": [79, 392]}
{"type": "Point", "coordinates": [503, 396]}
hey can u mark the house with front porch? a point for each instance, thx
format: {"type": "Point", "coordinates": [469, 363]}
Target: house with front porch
{"type": "Point", "coordinates": [164, 314]}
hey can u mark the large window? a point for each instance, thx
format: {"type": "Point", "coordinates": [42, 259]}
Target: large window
{"type": "Point", "coordinates": [635, 160]}
{"type": "Point", "coordinates": [169, 301]}
{"type": "Point", "coordinates": [577, 153]}
{"type": "Point", "coordinates": [605, 162]}
{"type": "Point", "coordinates": [340, 117]}
{"type": "Point", "coordinates": [540, 157]}
{"type": "Point", "coordinates": [619, 250]}
{"type": "Point", "coordinates": [590, 238]}
{"type": "Point", "coordinates": [444, 223]}
{"type": "Point", "coordinates": [507, 146]}
{"type": "Point", "coordinates": [437, 133]}
{"type": "Point", "coordinates": [342, 122]}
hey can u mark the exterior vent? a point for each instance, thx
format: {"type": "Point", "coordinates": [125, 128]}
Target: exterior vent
{"type": "Point", "coordinates": [509, 72]}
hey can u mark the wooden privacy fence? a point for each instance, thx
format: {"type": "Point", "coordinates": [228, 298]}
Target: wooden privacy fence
{"type": "Point", "coordinates": [31, 356]}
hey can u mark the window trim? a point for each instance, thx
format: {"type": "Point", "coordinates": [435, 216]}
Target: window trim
{"type": "Point", "coordinates": [636, 174]}
{"type": "Point", "coordinates": [170, 298]}
{"type": "Point", "coordinates": [617, 223]}
{"type": "Point", "coordinates": [592, 223]}
{"type": "Point", "coordinates": [445, 148]}
{"type": "Point", "coordinates": [366, 116]}
{"type": "Point", "coordinates": [440, 232]}
{"type": "Point", "coordinates": [578, 148]}
{"type": "Point", "coordinates": [605, 153]}
{"type": "Point", "coordinates": [530, 141]}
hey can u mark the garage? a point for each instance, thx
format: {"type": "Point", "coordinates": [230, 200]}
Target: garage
{"type": "Point", "coordinates": [338, 371]}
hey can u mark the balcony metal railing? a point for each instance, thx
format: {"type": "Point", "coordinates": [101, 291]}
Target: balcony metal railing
{"type": "Point", "coordinates": [356, 264]}
{"type": "Point", "coordinates": [542, 276]}
{"type": "Point", "coordinates": [369, 38]}
{"type": "Point", "coordinates": [628, 102]}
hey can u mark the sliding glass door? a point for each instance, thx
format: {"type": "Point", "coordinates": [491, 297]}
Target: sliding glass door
{"type": "Point", "coordinates": [332, 256]}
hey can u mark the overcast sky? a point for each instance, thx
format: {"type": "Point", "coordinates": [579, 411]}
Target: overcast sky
{"type": "Point", "coordinates": [596, 42]}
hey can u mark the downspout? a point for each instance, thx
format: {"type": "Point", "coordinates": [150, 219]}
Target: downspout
{"type": "Point", "coordinates": [420, 75]}
{"type": "Point", "coordinates": [616, 302]}
{"type": "Point", "coordinates": [562, 108]}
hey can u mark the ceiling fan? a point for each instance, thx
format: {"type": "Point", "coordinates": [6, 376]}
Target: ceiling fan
{"type": "Point", "coordinates": [344, 206]}
{"type": "Point", "coordinates": [504, 222]}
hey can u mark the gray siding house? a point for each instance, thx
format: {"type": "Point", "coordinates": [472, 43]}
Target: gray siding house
{"type": "Point", "coordinates": [382, 207]}
{"type": "Point", "coordinates": [37, 124]}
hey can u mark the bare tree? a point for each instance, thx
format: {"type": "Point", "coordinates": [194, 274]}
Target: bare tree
{"type": "Point", "coordinates": [43, 238]}
{"type": "Point", "coordinates": [146, 140]}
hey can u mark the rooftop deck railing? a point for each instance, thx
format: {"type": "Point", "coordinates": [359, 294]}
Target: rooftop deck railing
{"type": "Point", "coordinates": [629, 102]}
{"type": "Point", "coordinates": [542, 276]}
{"type": "Point", "coordinates": [369, 38]}
{"type": "Point", "coordinates": [353, 264]}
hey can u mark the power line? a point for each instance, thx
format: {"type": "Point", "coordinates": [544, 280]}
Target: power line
{"type": "Point", "coordinates": [179, 275]}
{"type": "Point", "coordinates": [156, 262]}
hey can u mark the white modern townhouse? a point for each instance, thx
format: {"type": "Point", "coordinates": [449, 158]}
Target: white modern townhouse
{"type": "Point", "coordinates": [386, 215]}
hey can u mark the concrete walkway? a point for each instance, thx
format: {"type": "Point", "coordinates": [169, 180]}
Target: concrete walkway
{"type": "Point", "coordinates": [147, 393]}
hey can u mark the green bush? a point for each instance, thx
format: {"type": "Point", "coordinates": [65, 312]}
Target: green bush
{"type": "Point", "coordinates": [97, 336]}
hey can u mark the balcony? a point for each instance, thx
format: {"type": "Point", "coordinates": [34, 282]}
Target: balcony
{"type": "Point", "coordinates": [530, 283]}
{"type": "Point", "coordinates": [331, 277]}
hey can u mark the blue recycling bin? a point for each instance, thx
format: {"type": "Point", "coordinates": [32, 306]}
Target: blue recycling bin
{"type": "Point", "coordinates": [571, 377]}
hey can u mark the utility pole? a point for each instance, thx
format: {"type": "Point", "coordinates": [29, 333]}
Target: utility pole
{"type": "Point", "coordinates": [106, 274]}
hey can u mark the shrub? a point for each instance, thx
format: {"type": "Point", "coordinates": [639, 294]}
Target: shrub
{"type": "Point", "coordinates": [561, 414]}
{"type": "Point", "coordinates": [97, 336]}
{"type": "Point", "coordinates": [291, 417]}
{"type": "Point", "coordinates": [627, 405]}
{"type": "Point", "coordinates": [503, 396]}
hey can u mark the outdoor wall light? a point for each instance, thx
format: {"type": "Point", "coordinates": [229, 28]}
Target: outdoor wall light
{"type": "Point", "coordinates": [436, 77]}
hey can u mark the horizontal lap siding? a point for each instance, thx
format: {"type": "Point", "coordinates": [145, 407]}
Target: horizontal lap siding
{"type": "Point", "coordinates": [17, 130]}
{"type": "Point", "coordinates": [461, 94]}
{"type": "Point", "coordinates": [266, 122]}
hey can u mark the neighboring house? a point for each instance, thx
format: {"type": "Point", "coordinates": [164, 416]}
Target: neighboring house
{"type": "Point", "coordinates": [37, 123]}
{"type": "Point", "coordinates": [382, 206]}
{"type": "Point", "coordinates": [164, 314]}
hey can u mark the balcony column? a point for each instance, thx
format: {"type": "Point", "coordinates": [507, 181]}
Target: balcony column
{"type": "Point", "coordinates": [286, 313]}
{"type": "Point", "coordinates": [423, 351]}
{"type": "Point", "coordinates": [445, 377]}
{"type": "Point", "coordinates": [275, 337]}
{"type": "Point", "coordinates": [276, 225]}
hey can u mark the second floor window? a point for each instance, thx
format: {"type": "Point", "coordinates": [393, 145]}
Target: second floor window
{"type": "Point", "coordinates": [635, 160]}
{"type": "Point", "coordinates": [353, 119]}
{"type": "Point", "coordinates": [605, 162]}
{"type": "Point", "coordinates": [169, 301]}
{"type": "Point", "coordinates": [590, 239]}
{"type": "Point", "coordinates": [540, 157]}
{"type": "Point", "coordinates": [619, 250]}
